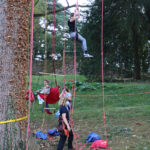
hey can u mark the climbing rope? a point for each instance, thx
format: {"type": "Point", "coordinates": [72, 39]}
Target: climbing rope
{"type": "Point", "coordinates": [64, 51]}
{"type": "Point", "coordinates": [103, 71]}
{"type": "Point", "coordinates": [74, 85]}
{"type": "Point", "coordinates": [53, 44]}
{"type": "Point", "coordinates": [30, 73]}
{"type": "Point", "coordinates": [45, 62]}
{"type": "Point", "coordinates": [75, 67]}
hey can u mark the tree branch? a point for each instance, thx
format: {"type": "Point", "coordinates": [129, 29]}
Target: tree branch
{"type": "Point", "coordinates": [67, 2]}
{"type": "Point", "coordinates": [36, 3]}
{"type": "Point", "coordinates": [59, 10]}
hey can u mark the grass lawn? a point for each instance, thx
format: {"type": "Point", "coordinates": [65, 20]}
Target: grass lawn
{"type": "Point", "coordinates": [127, 116]}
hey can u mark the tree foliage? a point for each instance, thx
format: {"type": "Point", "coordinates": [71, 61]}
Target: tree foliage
{"type": "Point", "coordinates": [49, 29]}
{"type": "Point", "coordinates": [126, 26]}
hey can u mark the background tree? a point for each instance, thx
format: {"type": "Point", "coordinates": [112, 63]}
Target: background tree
{"type": "Point", "coordinates": [125, 37]}
{"type": "Point", "coordinates": [48, 20]}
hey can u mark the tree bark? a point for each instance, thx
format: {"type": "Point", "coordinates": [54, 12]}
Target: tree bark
{"type": "Point", "coordinates": [137, 67]}
{"type": "Point", "coordinates": [135, 43]}
{"type": "Point", "coordinates": [13, 63]}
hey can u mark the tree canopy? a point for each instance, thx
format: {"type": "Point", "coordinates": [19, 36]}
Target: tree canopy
{"type": "Point", "coordinates": [126, 26]}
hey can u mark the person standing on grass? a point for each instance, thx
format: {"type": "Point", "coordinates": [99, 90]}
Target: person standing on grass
{"type": "Point", "coordinates": [64, 121]}
{"type": "Point", "coordinates": [66, 94]}
{"type": "Point", "coordinates": [74, 32]}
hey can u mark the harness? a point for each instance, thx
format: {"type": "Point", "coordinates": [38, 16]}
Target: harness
{"type": "Point", "coordinates": [66, 132]}
{"type": "Point", "coordinates": [62, 128]}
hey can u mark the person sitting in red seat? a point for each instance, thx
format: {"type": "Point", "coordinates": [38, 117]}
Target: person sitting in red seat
{"type": "Point", "coordinates": [48, 95]}
{"type": "Point", "coordinates": [45, 90]}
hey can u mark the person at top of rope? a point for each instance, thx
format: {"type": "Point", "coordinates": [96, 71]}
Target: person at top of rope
{"type": "Point", "coordinates": [74, 32]}
{"type": "Point", "coordinates": [64, 126]}
{"type": "Point", "coordinates": [44, 90]}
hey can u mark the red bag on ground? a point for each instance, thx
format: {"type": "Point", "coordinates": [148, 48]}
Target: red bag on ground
{"type": "Point", "coordinates": [53, 97]}
{"type": "Point", "coordinates": [99, 144]}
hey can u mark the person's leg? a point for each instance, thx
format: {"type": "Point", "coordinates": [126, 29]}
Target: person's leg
{"type": "Point", "coordinates": [61, 142]}
{"type": "Point", "coordinates": [72, 34]}
{"type": "Point", "coordinates": [83, 40]}
{"type": "Point", "coordinates": [47, 109]}
{"type": "Point", "coordinates": [70, 140]}
{"type": "Point", "coordinates": [41, 101]}
{"type": "Point", "coordinates": [84, 45]}
{"type": "Point", "coordinates": [47, 105]}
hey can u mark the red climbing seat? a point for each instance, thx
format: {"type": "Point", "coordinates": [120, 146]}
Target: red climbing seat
{"type": "Point", "coordinates": [51, 98]}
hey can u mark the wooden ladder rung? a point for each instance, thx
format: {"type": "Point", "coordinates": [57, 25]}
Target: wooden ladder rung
{"type": "Point", "coordinates": [49, 108]}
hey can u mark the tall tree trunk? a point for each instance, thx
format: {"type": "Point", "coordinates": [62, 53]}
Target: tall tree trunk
{"type": "Point", "coordinates": [135, 43]}
{"type": "Point", "coordinates": [137, 69]}
{"type": "Point", "coordinates": [13, 63]}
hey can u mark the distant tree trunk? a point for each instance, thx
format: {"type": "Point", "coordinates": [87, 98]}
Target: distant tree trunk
{"type": "Point", "coordinates": [13, 65]}
{"type": "Point", "coordinates": [135, 43]}
{"type": "Point", "coordinates": [147, 10]}
{"type": "Point", "coordinates": [137, 69]}
{"type": "Point", "coordinates": [137, 65]}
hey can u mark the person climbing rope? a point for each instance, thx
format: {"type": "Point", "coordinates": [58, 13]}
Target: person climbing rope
{"type": "Point", "coordinates": [64, 127]}
{"type": "Point", "coordinates": [74, 33]}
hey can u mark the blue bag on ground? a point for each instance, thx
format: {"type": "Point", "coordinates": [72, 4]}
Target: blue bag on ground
{"type": "Point", "coordinates": [92, 137]}
{"type": "Point", "coordinates": [41, 135]}
{"type": "Point", "coordinates": [53, 132]}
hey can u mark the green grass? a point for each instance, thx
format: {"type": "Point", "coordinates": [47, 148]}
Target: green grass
{"type": "Point", "coordinates": [127, 116]}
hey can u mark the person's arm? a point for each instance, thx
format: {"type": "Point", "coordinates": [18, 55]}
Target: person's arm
{"type": "Point", "coordinates": [66, 122]}
{"type": "Point", "coordinates": [62, 93]}
{"type": "Point", "coordinates": [38, 91]}
{"type": "Point", "coordinates": [76, 15]}
{"type": "Point", "coordinates": [41, 90]}
{"type": "Point", "coordinates": [47, 90]}
{"type": "Point", "coordinates": [69, 97]}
